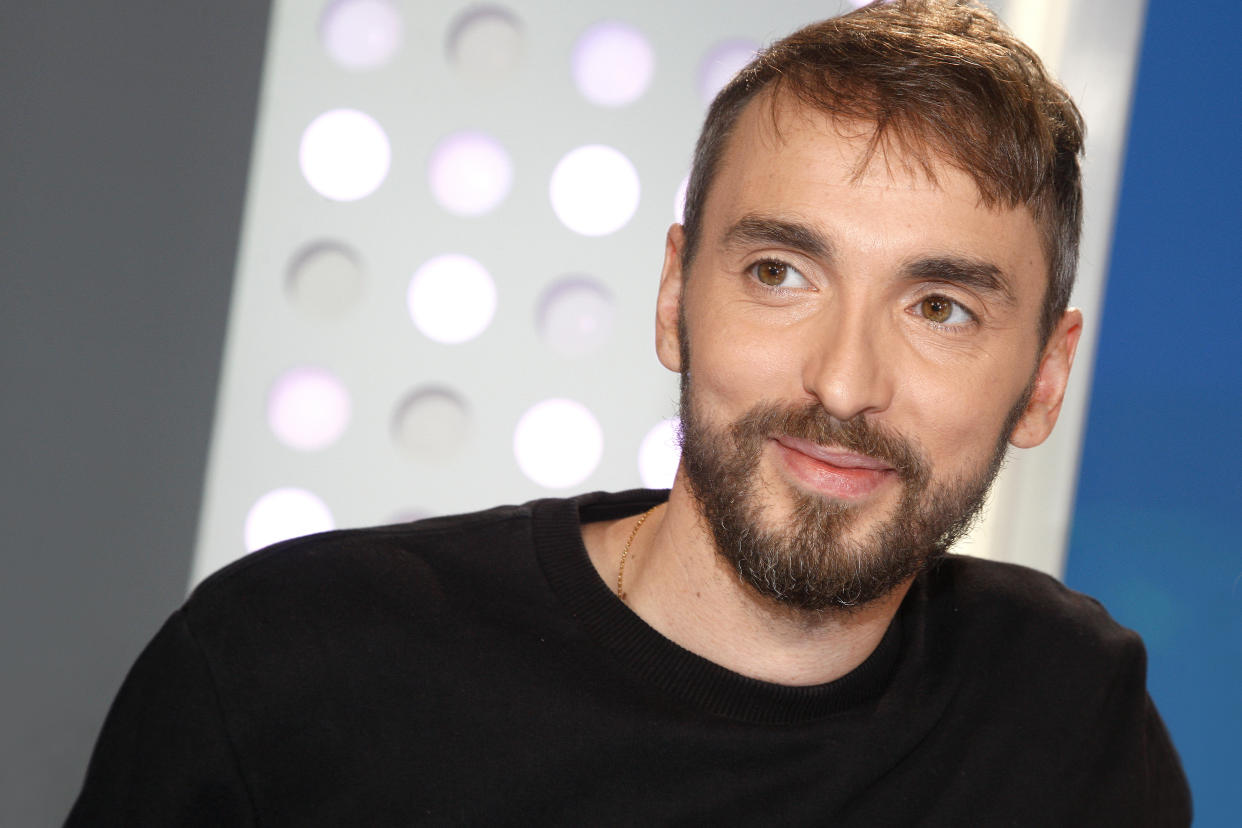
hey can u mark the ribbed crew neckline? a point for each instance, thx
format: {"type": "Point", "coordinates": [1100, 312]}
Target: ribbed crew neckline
{"type": "Point", "coordinates": [652, 659]}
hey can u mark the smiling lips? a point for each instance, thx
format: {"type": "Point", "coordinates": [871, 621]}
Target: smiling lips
{"type": "Point", "coordinates": [834, 473]}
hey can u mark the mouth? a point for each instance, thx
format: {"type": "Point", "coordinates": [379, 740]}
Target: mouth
{"type": "Point", "coordinates": [832, 472]}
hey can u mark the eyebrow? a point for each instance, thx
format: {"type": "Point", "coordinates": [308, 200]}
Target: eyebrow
{"type": "Point", "coordinates": [754, 230]}
{"type": "Point", "coordinates": [978, 275]}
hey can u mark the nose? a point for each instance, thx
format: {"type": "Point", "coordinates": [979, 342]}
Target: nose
{"type": "Point", "coordinates": [848, 367]}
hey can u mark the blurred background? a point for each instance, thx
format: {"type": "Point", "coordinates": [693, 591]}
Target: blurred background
{"type": "Point", "coordinates": [217, 219]}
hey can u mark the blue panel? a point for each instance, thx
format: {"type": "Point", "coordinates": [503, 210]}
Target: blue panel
{"type": "Point", "coordinates": [1160, 492]}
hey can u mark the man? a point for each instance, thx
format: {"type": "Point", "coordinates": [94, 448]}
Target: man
{"type": "Point", "coordinates": [867, 304]}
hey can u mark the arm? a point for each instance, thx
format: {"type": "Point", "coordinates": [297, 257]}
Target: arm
{"type": "Point", "coordinates": [164, 756]}
{"type": "Point", "coordinates": [1132, 767]}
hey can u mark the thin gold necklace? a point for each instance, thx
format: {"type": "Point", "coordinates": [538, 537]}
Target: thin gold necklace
{"type": "Point", "coordinates": [625, 553]}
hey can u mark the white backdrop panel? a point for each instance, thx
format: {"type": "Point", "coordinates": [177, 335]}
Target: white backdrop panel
{"type": "Point", "coordinates": [330, 388]}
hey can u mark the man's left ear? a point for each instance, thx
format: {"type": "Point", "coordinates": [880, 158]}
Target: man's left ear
{"type": "Point", "coordinates": [1044, 407]}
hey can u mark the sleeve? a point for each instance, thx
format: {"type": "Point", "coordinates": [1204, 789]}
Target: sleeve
{"type": "Point", "coordinates": [164, 756]}
{"type": "Point", "coordinates": [1134, 775]}
{"type": "Point", "coordinates": [1168, 788]}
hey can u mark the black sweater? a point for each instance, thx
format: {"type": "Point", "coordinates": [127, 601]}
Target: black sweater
{"type": "Point", "coordinates": [475, 670]}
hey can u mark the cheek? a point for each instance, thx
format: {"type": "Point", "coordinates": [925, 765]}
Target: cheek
{"type": "Point", "coordinates": [957, 416]}
{"type": "Point", "coordinates": [738, 365]}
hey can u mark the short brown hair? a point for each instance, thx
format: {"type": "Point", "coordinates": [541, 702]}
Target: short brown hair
{"type": "Point", "coordinates": [938, 77]}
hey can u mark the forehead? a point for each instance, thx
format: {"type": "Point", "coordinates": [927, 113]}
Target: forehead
{"type": "Point", "coordinates": [790, 161]}
{"type": "Point", "coordinates": [777, 128]}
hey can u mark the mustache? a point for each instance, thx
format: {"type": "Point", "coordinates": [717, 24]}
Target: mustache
{"type": "Point", "coordinates": [811, 422]}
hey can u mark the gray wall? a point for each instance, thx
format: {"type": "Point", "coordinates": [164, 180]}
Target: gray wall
{"type": "Point", "coordinates": [125, 131]}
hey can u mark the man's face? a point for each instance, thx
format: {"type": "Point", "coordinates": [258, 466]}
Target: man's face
{"type": "Point", "coordinates": [856, 352]}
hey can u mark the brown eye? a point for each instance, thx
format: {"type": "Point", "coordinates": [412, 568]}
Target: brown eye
{"type": "Point", "coordinates": [936, 309]}
{"type": "Point", "coordinates": [771, 274]}
{"type": "Point", "coordinates": [774, 273]}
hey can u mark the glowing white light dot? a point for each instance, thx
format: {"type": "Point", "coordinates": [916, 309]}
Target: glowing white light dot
{"type": "Point", "coordinates": [451, 298]}
{"type": "Point", "coordinates": [344, 155]}
{"type": "Point", "coordinates": [613, 64]}
{"type": "Point", "coordinates": [558, 443]}
{"type": "Point", "coordinates": [658, 455]}
{"type": "Point", "coordinates": [470, 173]}
{"type": "Point", "coordinates": [575, 316]}
{"type": "Point", "coordinates": [308, 408]}
{"type": "Point", "coordinates": [594, 190]}
{"type": "Point", "coordinates": [285, 513]}
{"type": "Point", "coordinates": [361, 34]}
{"type": "Point", "coordinates": [721, 63]}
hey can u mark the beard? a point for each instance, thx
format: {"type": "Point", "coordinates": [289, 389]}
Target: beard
{"type": "Point", "coordinates": [811, 562]}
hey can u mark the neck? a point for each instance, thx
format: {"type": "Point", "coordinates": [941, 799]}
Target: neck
{"type": "Point", "coordinates": [678, 584]}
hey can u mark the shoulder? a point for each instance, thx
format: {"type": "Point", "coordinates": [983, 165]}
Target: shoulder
{"type": "Point", "coordinates": [1018, 604]}
{"type": "Point", "coordinates": [372, 549]}
{"type": "Point", "coordinates": [479, 568]}
{"type": "Point", "coordinates": [483, 546]}
{"type": "Point", "coordinates": [1029, 662]}
{"type": "Point", "coordinates": [1006, 629]}
{"type": "Point", "coordinates": [1014, 641]}
{"type": "Point", "coordinates": [411, 571]}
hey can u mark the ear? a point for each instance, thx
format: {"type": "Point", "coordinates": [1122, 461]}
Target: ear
{"type": "Point", "coordinates": [1044, 407]}
{"type": "Point", "coordinates": [668, 303]}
